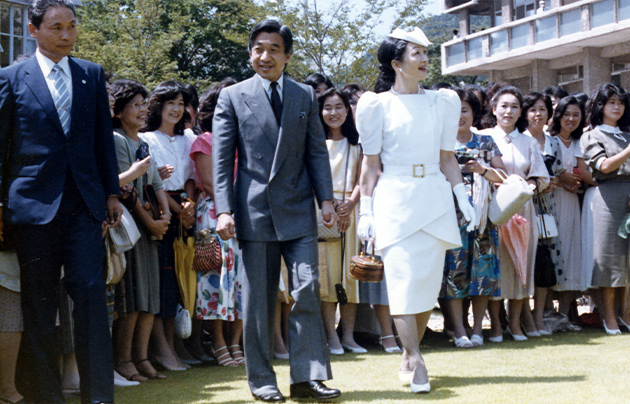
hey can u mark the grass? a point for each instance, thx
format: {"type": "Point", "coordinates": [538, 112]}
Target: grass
{"type": "Point", "coordinates": [580, 367]}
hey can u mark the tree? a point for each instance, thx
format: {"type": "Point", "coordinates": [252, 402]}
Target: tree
{"type": "Point", "coordinates": [194, 41]}
{"type": "Point", "coordinates": [126, 38]}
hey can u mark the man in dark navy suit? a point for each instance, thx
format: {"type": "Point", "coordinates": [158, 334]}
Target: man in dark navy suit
{"type": "Point", "coordinates": [58, 184]}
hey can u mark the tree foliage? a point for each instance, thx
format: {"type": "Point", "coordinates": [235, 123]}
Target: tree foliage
{"type": "Point", "coordinates": [340, 40]}
{"type": "Point", "coordinates": [195, 41]}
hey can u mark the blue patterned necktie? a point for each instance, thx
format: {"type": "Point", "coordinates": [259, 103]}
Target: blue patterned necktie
{"type": "Point", "coordinates": [62, 101]}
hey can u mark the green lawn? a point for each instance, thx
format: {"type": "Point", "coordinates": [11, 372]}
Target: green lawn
{"type": "Point", "coordinates": [580, 367]}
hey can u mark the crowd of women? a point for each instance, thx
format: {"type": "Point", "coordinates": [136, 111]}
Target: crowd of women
{"type": "Point", "coordinates": [571, 149]}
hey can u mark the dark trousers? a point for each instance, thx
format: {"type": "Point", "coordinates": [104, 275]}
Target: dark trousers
{"type": "Point", "coordinates": [72, 240]}
{"type": "Point", "coordinates": [308, 347]}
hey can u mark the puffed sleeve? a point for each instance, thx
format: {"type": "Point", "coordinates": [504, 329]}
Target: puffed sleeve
{"type": "Point", "coordinates": [592, 149]}
{"type": "Point", "coordinates": [451, 108]}
{"type": "Point", "coordinates": [537, 167]}
{"type": "Point", "coordinates": [370, 116]}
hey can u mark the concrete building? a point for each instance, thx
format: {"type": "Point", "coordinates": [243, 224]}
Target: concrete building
{"type": "Point", "coordinates": [532, 44]}
{"type": "Point", "coordinates": [15, 40]}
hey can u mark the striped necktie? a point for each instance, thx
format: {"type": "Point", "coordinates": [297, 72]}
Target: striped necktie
{"type": "Point", "coordinates": [62, 101]}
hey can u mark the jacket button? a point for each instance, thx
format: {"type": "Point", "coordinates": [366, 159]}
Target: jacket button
{"type": "Point", "coordinates": [259, 156]}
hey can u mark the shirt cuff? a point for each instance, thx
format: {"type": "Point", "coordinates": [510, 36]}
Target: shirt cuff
{"type": "Point", "coordinates": [599, 163]}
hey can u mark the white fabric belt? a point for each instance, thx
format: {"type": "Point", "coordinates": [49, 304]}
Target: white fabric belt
{"type": "Point", "coordinates": [412, 170]}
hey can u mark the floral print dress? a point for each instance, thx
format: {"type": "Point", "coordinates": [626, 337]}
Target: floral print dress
{"type": "Point", "coordinates": [473, 269]}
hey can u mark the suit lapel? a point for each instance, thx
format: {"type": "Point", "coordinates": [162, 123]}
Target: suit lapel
{"type": "Point", "coordinates": [257, 101]}
{"type": "Point", "coordinates": [290, 115]}
{"type": "Point", "coordinates": [79, 91]}
{"type": "Point", "coordinates": [37, 83]}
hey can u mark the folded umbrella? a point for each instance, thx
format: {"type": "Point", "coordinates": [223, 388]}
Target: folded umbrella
{"type": "Point", "coordinates": [515, 236]}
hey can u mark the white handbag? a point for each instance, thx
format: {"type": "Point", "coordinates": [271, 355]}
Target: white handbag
{"type": "Point", "coordinates": [126, 234]}
{"type": "Point", "coordinates": [547, 226]}
{"type": "Point", "coordinates": [509, 198]}
{"type": "Point", "coordinates": [183, 323]}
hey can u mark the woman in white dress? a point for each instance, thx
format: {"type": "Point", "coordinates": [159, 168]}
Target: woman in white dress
{"type": "Point", "coordinates": [567, 126]}
{"type": "Point", "coordinates": [521, 156]}
{"type": "Point", "coordinates": [410, 132]}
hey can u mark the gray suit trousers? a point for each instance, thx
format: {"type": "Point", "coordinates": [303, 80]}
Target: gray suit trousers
{"type": "Point", "coordinates": [308, 347]}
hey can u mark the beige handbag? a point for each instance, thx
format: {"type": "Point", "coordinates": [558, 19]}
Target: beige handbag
{"type": "Point", "coordinates": [324, 233]}
{"type": "Point", "coordinates": [509, 198]}
{"type": "Point", "coordinates": [116, 263]}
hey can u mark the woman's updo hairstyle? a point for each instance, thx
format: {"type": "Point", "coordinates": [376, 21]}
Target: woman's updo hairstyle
{"type": "Point", "coordinates": [490, 121]}
{"type": "Point", "coordinates": [391, 49]}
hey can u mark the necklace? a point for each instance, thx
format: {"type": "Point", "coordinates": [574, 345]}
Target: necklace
{"type": "Point", "coordinates": [567, 140]}
{"type": "Point", "coordinates": [171, 139]}
{"type": "Point", "coordinates": [420, 91]}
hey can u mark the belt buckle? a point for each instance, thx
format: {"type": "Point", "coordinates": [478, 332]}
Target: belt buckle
{"type": "Point", "coordinates": [415, 170]}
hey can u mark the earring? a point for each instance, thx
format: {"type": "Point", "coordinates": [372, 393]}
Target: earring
{"type": "Point", "coordinates": [400, 69]}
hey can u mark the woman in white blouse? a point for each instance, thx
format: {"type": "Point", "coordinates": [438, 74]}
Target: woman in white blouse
{"type": "Point", "coordinates": [521, 156]}
{"type": "Point", "coordinates": [170, 148]}
{"type": "Point", "coordinates": [410, 132]}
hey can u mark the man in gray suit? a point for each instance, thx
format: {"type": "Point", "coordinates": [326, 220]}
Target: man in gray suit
{"type": "Point", "coordinates": [273, 124]}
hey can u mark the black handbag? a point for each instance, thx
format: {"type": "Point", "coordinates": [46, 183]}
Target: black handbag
{"type": "Point", "coordinates": [544, 268]}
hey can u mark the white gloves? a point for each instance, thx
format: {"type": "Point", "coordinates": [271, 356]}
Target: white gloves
{"type": "Point", "coordinates": [365, 227]}
{"type": "Point", "coordinates": [465, 206]}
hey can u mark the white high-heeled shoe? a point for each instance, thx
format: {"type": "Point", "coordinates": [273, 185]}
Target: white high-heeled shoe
{"type": "Point", "coordinates": [519, 338]}
{"type": "Point", "coordinates": [405, 377]}
{"type": "Point", "coordinates": [622, 323]}
{"type": "Point", "coordinates": [609, 331]}
{"type": "Point", "coordinates": [357, 349]}
{"type": "Point", "coordinates": [339, 351]}
{"type": "Point", "coordinates": [420, 388]}
{"type": "Point", "coordinates": [392, 350]}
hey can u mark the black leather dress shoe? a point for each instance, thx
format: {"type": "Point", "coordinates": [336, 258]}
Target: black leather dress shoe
{"type": "Point", "coordinates": [270, 398]}
{"type": "Point", "coordinates": [313, 390]}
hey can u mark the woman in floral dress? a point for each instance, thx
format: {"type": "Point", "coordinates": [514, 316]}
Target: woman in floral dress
{"type": "Point", "coordinates": [218, 292]}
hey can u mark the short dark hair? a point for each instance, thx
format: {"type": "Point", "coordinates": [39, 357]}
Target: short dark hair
{"type": "Point", "coordinates": [440, 85]}
{"type": "Point", "coordinates": [472, 100]}
{"type": "Point", "coordinates": [166, 91]}
{"type": "Point", "coordinates": [555, 91]}
{"type": "Point", "coordinates": [352, 89]}
{"type": "Point", "coordinates": [208, 103]}
{"type": "Point", "coordinates": [37, 9]}
{"type": "Point", "coordinates": [315, 79]}
{"type": "Point", "coordinates": [481, 95]}
{"type": "Point", "coordinates": [390, 49]}
{"type": "Point", "coordinates": [272, 27]}
{"type": "Point", "coordinates": [532, 98]}
{"type": "Point", "coordinates": [348, 129]}
{"type": "Point", "coordinates": [595, 106]}
{"type": "Point", "coordinates": [561, 108]}
{"type": "Point", "coordinates": [490, 120]}
{"type": "Point", "coordinates": [123, 92]}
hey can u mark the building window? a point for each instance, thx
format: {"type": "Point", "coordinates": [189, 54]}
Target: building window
{"type": "Point", "coordinates": [455, 54]}
{"type": "Point", "coordinates": [519, 36]}
{"type": "Point", "coordinates": [498, 42]}
{"type": "Point", "coordinates": [498, 13]}
{"type": "Point", "coordinates": [524, 8]}
{"type": "Point", "coordinates": [546, 29]}
{"type": "Point", "coordinates": [571, 22]}
{"type": "Point", "coordinates": [14, 36]}
{"type": "Point", "coordinates": [475, 48]}
{"type": "Point", "coordinates": [624, 9]}
{"type": "Point", "coordinates": [602, 13]}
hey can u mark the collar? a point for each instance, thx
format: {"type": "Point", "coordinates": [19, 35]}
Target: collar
{"type": "Point", "coordinates": [508, 137]}
{"type": "Point", "coordinates": [267, 84]}
{"type": "Point", "coordinates": [46, 64]}
{"type": "Point", "coordinates": [609, 129]}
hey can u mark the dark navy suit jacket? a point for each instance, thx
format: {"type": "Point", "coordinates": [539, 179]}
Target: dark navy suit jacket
{"type": "Point", "coordinates": [36, 155]}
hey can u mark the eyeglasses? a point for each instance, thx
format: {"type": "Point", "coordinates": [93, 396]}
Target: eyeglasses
{"type": "Point", "coordinates": [139, 105]}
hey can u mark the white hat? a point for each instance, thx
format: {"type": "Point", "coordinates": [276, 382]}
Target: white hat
{"type": "Point", "coordinates": [416, 36]}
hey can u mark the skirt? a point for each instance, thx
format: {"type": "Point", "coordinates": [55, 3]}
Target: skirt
{"type": "Point", "coordinates": [610, 252]}
{"type": "Point", "coordinates": [413, 267]}
{"type": "Point", "coordinates": [570, 238]}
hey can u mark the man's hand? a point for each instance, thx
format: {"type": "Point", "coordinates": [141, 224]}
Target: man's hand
{"type": "Point", "coordinates": [329, 217]}
{"type": "Point", "coordinates": [166, 171]}
{"type": "Point", "coordinates": [114, 211]}
{"type": "Point", "coordinates": [225, 226]}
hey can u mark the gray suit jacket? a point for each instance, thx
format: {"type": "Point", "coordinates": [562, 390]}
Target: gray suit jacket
{"type": "Point", "coordinates": [279, 169]}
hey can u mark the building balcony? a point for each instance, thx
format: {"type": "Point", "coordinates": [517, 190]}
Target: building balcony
{"type": "Point", "coordinates": [549, 35]}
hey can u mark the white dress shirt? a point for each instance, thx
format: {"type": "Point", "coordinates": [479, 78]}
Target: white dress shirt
{"type": "Point", "coordinates": [46, 65]}
{"type": "Point", "coordinates": [267, 86]}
